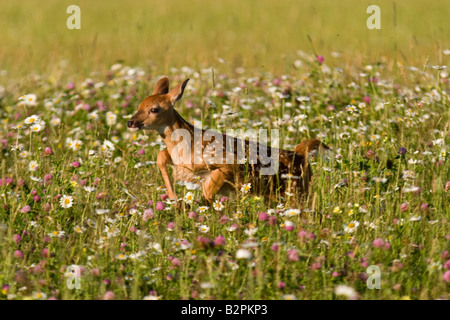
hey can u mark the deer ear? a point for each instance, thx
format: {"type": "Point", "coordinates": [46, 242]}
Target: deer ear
{"type": "Point", "coordinates": [177, 92]}
{"type": "Point", "coordinates": [162, 87]}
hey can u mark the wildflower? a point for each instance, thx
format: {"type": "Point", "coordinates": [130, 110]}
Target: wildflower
{"type": "Point", "coordinates": [246, 188]}
{"type": "Point", "coordinates": [262, 216]}
{"type": "Point", "coordinates": [203, 228]}
{"type": "Point", "coordinates": [48, 151]}
{"type": "Point", "coordinates": [378, 243]}
{"type": "Point", "coordinates": [151, 297]}
{"type": "Point", "coordinates": [446, 276]}
{"type": "Point", "coordinates": [32, 119]}
{"type": "Point", "coordinates": [434, 266]}
{"type": "Point", "coordinates": [89, 189]}
{"type": "Point", "coordinates": [56, 234]}
{"type": "Point", "coordinates": [219, 241]}
{"type": "Point", "coordinates": [251, 230]}
{"type": "Point", "coordinates": [55, 121]}
{"type": "Point", "coordinates": [203, 209]}
{"type": "Point", "coordinates": [207, 285]}
{"type": "Point", "coordinates": [66, 201]}
{"type": "Point", "coordinates": [243, 254]}
{"type": "Point", "coordinates": [76, 164]}
{"type": "Point", "coordinates": [107, 145]}
{"type": "Point", "coordinates": [412, 189]}
{"type": "Point", "coordinates": [33, 166]}
{"type": "Point", "coordinates": [25, 209]}
{"type": "Point", "coordinates": [171, 226]}
{"type": "Point", "coordinates": [291, 212]}
{"type": "Point", "coordinates": [402, 151]}
{"type": "Point", "coordinates": [73, 144]}
{"type": "Point", "coordinates": [121, 256]}
{"type": "Point", "coordinates": [39, 295]}
{"type": "Point", "coordinates": [192, 215]}
{"type": "Point", "coordinates": [289, 225]}
{"type": "Point", "coordinates": [148, 214]}
{"type": "Point", "coordinates": [300, 117]}
{"type": "Point", "coordinates": [293, 255]}
{"type": "Point", "coordinates": [351, 227]}
{"type": "Point", "coordinates": [344, 290]}
{"type": "Point", "coordinates": [18, 254]}
{"type": "Point", "coordinates": [36, 127]}
{"type": "Point", "coordinates": [79, 229]}
{"type": "Point", "coordinates": [101, 211]}
{"type": "Point", "coordinates": [160, 206]}
{"type": "Point", "coordinates": [351, 108]}
{"type": "Point", "coordinates": [218, 206]}
{"type": "Point", "coordinates": [109, 295]}
{"type": "Point", "coordinates": [379, 180]}
{"type": "Point", "coordinates": [28, 100]}
{"type": "Point", "coordinates": [111, 118]}
{"type": "Point", "coordinates": [404, 207]}
{"type": "Point", "coordinates": [337, 210]}
{"type": "Point", "coordinates": [189, 198]}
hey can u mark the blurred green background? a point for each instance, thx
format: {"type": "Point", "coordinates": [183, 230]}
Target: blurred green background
{"type": "Point", "coordinates": [262, 34]}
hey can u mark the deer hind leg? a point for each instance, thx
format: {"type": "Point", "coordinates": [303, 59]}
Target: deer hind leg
{"type": "Point", "coordinates": [215, 181]}
{"type": "Point", "coordinates": [162, 161]}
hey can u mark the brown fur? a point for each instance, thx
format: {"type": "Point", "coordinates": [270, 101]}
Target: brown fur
{"type": "Point", "coordinates": [157, 112]}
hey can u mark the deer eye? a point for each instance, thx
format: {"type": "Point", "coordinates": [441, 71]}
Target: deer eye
{"type": "Point", "coordinates": [154, 110]}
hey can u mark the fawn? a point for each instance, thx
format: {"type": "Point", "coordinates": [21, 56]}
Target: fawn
{"type": "Point", "coordinates": [157, 112]}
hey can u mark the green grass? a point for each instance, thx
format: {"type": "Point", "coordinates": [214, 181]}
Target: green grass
{"type": "Point", "coordinates": [254, 34]}
{"type": "Point", "coordinates": [365, 180]}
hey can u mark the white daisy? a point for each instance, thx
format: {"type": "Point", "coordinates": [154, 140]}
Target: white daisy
{"type": "Point", "coordinates": [203, 228]}
{"type": "Point", "coordinates": [36, 127]}
{"type": "Point", "coordinates": [66, 201]}
{"type": "Point", "coordinates": [121, 256]}
{"type": "Point", "coordinates": [111, 118]}
{"type": "Point", "coordinates": [79, 229]}
{"type": "Point", "coordinates": [31, 119]}
{"type": "Point", "coordinates": [189, 197]}
{"type": "Point", "coordinates": [246, 188]}
{"type": "Point", "coordinates": [28, 100]}
{"type": "Point", "coordinates": [343, 290]}
{"type": "Point", "coordinates": [218, 206]}
{"type": "Point", "coordinates": [55, 121]}
{"type": "Point", "coordinates": [351, 227]}
{"type": "Point", "coordinates": [56, 234]}
{"type": "Point", "coordinates": [291, 212]}
{"type": "Point", "coordinates": [33, 165]}
{"type": "Point", "coordinates": [243, 254]}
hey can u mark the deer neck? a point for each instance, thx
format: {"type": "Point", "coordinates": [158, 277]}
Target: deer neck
{"type": "Point", "coordinates": [166, 132]}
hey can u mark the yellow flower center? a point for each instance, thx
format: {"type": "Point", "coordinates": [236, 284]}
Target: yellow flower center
{"type": "Point", "coordinates": [351, 225]}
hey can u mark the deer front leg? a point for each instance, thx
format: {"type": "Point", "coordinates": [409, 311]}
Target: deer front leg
{"type": "Point", "coordinates": [215, 182]}
{"type": "Point", "coordinates": [162, 161]}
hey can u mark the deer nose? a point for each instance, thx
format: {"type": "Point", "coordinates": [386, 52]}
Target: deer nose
{"type": "Point", "coordinates": [130, 123]}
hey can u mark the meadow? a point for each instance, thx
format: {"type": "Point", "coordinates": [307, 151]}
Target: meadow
{"type": "Point", "coordinates": [82, 201]}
